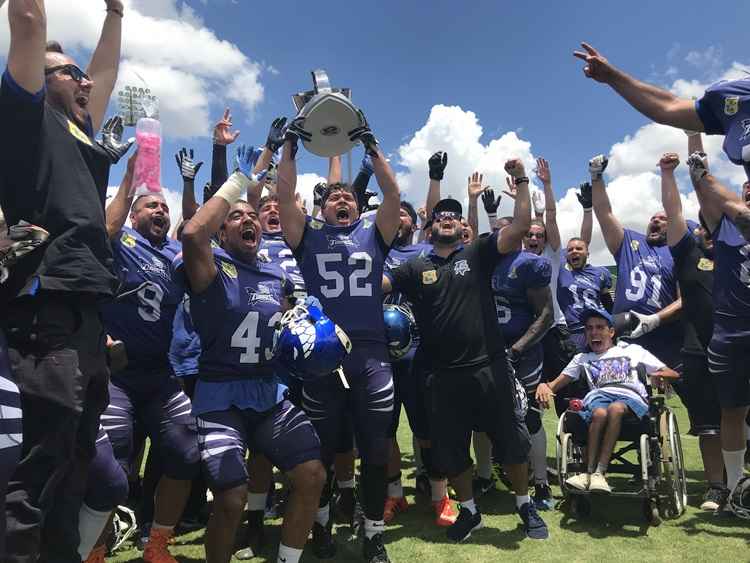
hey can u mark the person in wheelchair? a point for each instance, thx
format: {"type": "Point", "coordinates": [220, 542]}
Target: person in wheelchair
{"type": "Point", "coordinates": [615, 391]}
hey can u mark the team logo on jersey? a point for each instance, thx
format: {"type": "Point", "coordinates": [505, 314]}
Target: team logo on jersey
{"type": "Point", "coordinates": [263, 294]}
{"type": "Point", "coordinates": [706, 265]}
{"type": "Point", "coordinates": [461, 267]}
{"type": "Point", "coordinates": [366, 224]}
{"type": "Point", "coordinates": [315, 224]}
{"type": "Point", "coordinates": [128, 240]}
{"type": "Point", "coordinates": [78, 134]}
{"type": "Point", "coordinates": [429, 277]}
{"type": "Point", "coordinates": [341, 240]}
{"type": "Point", "coordinates": [634, 245]}
{"type": "Point", "coordinates": [229, 269]}
{"type": "Point", "coordinates": [156, 267]}
{"type": "Point", "coordinates": [731, 105]}
{"type": "Point", "coordinates": [745, 124]}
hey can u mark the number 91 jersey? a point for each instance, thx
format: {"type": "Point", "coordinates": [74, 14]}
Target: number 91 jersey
{"type": "Point", "coordinates": [343, 267]}
{"type": "Point", "coordinates": [143, 310]}
{"type": "Point", "coordinates": [645, 276]}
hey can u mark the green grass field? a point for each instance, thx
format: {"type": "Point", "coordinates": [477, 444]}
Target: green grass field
{"type": "Point", "coordinates": [615, 530]}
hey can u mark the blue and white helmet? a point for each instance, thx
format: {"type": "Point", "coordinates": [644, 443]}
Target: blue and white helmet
{"type": "Point", "coordinates": [399, 328]}
{"type": "Point", "coordinates": [739, 498]}
{"type": "Point", "coordinates": [308, 343]}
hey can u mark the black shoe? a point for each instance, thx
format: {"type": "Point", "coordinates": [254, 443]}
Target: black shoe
{"type": "Point", "coordinates": [323, 545]}
{"type": "Point", "coordinates": [482, 486]}
{"type": "Point", "coordinates": [423, 485]}
{"type": "Point", "coordinates": [373, 550]}
{"type": "Point", "coordinates": [533, 524]}
{"type": "Point", "coordinates": [345, 506]}
{"type": "Point", "coordinates": [464, 525]}
{"type": "Point", "coordinates": [255, 537]}
{"type": "Point", "coordinates": [714, 498]}
{"type": "Point", "coordinates": [190, 524]}
{"type": "Point", "coordinates": [542, 497]}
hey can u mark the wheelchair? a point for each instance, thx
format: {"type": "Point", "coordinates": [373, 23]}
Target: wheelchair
{"type": "Point", "coordinates": [658, 475]}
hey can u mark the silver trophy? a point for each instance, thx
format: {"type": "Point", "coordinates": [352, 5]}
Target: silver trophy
{"type": "Point", "coordinates": [329, 116]}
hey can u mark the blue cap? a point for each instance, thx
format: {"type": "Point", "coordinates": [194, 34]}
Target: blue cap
{"type": "Point", "coordinates": [592, 312]}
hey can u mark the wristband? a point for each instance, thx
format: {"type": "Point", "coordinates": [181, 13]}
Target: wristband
{"type": "Point", "coordinates": [116, 11]}
{"type": "Point", "coordinates": [521, 180]}
{"type": "Point", "coordinates": [587, 209]}
{"type": "Point", "coordinates": [236, 185]}
{"type": "Point", "coordinates": [491, 216]}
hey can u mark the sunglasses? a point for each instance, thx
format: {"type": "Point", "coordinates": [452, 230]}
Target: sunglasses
{"type": "Point", "coordinates": [443, 215]}
{"type": "Point", "coordinates": [535, 235]}
{"type": "Point", "coordinates": [71, 70]}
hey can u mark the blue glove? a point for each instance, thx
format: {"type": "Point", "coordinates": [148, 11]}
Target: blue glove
{"type": "Point", "coordinates": [366, 165]}
{"type": "Point", "coordinates": [245, 160]}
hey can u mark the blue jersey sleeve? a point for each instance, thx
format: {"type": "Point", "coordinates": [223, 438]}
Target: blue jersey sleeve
{"type": "Point", "coordinates": [606, 279]}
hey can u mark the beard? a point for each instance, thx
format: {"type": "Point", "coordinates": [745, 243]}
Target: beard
{"type": "Point", "coordinates": [446, 239]}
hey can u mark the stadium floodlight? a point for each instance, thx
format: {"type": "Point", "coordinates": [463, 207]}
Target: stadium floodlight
{"type": "Point", "coordinates": [136, 102]}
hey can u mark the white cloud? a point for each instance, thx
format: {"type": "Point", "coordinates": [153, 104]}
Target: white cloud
{"type": "Point", "coordinates": [166, 42]}
{"type": "Point", "coordinates": [706, 60]}
{"type": "Point", "coordinates": [305, 184]}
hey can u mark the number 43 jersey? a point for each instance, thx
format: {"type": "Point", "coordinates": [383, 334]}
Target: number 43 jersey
{"type": "Point", "coordinates": [143, 310]}
{"type": "Point", "coordinates": [343, 267]}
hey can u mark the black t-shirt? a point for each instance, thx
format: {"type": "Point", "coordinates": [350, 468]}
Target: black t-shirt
{"type": "Point", "coordinates": [453, 304]}
{"type": "Point", "coordinates": [695, 276]}
{"type": "Point", "coordinates": [53, 174]}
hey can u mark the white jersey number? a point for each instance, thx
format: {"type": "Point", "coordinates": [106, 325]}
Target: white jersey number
{"type": "Point", "coordinates": [590, 298]}
{"type": "Point", "coordinates": [358, 287]}
{"type": "Point", "coordinates": [247, 339]}
{"type": "Point", "coordinates": [149, 299]}
{"type": "Point", "coordinates": [639, 281]}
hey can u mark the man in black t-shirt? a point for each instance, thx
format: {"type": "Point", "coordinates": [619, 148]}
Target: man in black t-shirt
{"type": "Point", "coordinates": [54, 175]}
{"type": "Point", "coordinates": [452, 300]}
{"type": "Point", "coordinates": [694, 270]}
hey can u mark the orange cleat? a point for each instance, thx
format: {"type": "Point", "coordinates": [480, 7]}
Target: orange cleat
{"type": "Point", "coordinates": [156, 549]}
{"type": "Point", "coordinates": [97, 555]}
{"type": "Point", "coordinates": [394, 505]}
{"type": "Point", "coordinates": [445, 514]}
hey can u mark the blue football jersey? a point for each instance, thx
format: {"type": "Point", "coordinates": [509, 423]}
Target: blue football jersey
{"type": "Point", "coordinates": [236, 317]}
{"type": "Point", "coordinates": [731, 280]}
{"type": "Point", "coordinates": [724, 109]}
{"type": "Point", "coordinates": [273, 249]}
{"type": "Point", "coordinates": [143, 311]}
{"type": "Point", "coordinates": [399, 255]}
{"type": "Point", "coordinates": [514, 274]}
{"type": "Point", "coordinates": [581, 289]}
{"type": "Point", "coordinates": [186, 344]}
{"type": "Point", "coordinates": [343, 268]}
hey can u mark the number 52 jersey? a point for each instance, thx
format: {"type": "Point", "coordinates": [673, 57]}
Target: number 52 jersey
{"type": "Point", "coordinates": [343, 267]}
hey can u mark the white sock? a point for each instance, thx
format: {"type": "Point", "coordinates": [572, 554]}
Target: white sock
{"type": "Point", "coordinates": [256, 501]}
{"type": "Point", "coordinates": [90, 526]}
{"type": "Point", "coordinates": [395, 489]}
{"type": "Point", "coordinates": [288, 554]}
{"type": "Point", "coordinates": [439, 489]}
{"type": "Point", "coordinates": [521, 500]}
{"type": "Point", "coordinates": [601, 468]}
{"type": "Point", "coordinates": [734, 462]}
{"type": "Point", "coordinates": [323, 514]}
{"type": "Point", "coordinates": [469, 505]}
{"type": "Point", "coordinates": [373, 527]}
{"type": "Point", "coordinates": [538, 456]}
{"type": "Point", "coordinates": [483, 455]}
{"type": "Point", "coordinates": [346, 484]}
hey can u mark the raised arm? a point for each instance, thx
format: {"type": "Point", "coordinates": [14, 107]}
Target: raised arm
{"type": "Point", "coordinates": [359, 185]}
{"type": "Point", "coordinates": [611, 228]}
{"type": "Point", "coordinates": [292, 218]}
{"type": "Point", "coordinates": [491, 203]}
{"type": "Point", "coordinates": [437, 165]}
{"type": "Point", "coordinates": [188, 170]}
{"type": "Point", "coordinates": [670, 198]}
{"type": "Point", "coordinates": [223, 137]}
{"type": "Point", "coordinates": [28, 37]}
{"type": "Point", "coordinates": [105, 63]}
{"type": "Point", "coordinates": [587, 223]}
{"type": "Point", "coordinates": [655, 103]}
{"type": "Point", "coordinates": [474, 189]}
{"type": "Point", "coordinates": [511, 236]}
{"type": "Point", "coordinates": [334, 170]}
{"type": "Point", "coordinates": [117, 211]}
{"type": "Point", "coordinates": [550, 207]}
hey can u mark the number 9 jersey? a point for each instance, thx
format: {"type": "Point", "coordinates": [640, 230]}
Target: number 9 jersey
{"type": "Point", "coordinates": [144, 308]}
{"type": "Point", "coordinates": [343, 267]}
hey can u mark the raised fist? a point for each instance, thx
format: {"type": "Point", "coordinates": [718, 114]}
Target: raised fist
{"type": "Point", "coordinates": [669, 161]}
{"type": "Point", "coordinates": [515, 168]}
{"type": "Point", "coordinates": [698, 163]}
{"type": "Point", "coordinates": [437, 164]}
{"type": "Point", "coordinates": [597, 166]}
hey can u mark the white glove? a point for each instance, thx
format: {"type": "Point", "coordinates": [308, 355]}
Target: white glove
{"type": "Point", "coordinates": [597, 166]}
{"type": "Point", "coordinates": [698, 163]}
{"type": "Point", "coordinates": [646, 323]}
{"type": "Point", "coordinates": [537, 199]}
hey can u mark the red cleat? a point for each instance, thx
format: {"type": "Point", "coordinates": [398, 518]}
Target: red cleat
{"type": "Point", "coordinates": [394, 505]}
{"type": "Point", "coordinates": [445, 514]}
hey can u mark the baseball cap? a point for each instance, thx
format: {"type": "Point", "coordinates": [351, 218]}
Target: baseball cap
{"type": "Point", "coordinates": [592, 312]}
{"type": "Point", "coordinates": [448, 204]}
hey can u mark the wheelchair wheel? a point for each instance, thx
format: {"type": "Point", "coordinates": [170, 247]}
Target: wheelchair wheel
{"type": "Point", "coordinates": [563, 458]}
{"type": "Point", "coordinates": [651, 511]}
{"type": "Point", "coordinates": [674, 484]}
{"type": "Point", "coordinates": [559, 451]}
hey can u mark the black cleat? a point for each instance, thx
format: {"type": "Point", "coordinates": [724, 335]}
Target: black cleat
{"type": "Point", "coordinates": [464, 525]}
{"type": "Point", "coordinates": [542, 497]}
{"type": "Point", "coordinates": [323, 545]}
{"type": "Point", "coordinates": [255, 537]}
{"type": "Point", "coordinates": [533, 524]}
{"type": "Point", "coordinates": [373, 550]}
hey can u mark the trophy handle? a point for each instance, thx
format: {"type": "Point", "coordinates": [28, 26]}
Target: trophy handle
{"type": "Point", "coordinates": [320, 81]}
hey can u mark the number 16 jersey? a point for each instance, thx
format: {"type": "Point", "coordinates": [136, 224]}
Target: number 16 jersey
{"type": "Point", "coordinates": [343, 267]}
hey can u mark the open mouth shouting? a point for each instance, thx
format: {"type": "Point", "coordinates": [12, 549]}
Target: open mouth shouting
{"type": "Point", "coordinates": [249, 234]}
{"type": "Point", "coordinates": [342, 214]}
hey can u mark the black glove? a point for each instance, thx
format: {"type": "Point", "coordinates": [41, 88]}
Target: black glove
{"type": "Point", "coordinates": [296, 131]}
{"type": "Point", "coordinates": [112, 139]}
{"type": "Point", "coordinates": [318, 192]}
{"type": "Point", "coordinates": [437, 164]}
{"type": "Point", "coordinates": [585, 197]}
{"type": "Point", "coordinates": [369, 206]}
{"type": "Point", "coordinates": [490, 203]}
{"type": "Point", "coordinates": [188, 168]}
{"type": "Point", "coordinates": [208, 192]}
{"type": "Point", "coordinates": [364, 135]}
{"type": "Point", "coordinates": [276, 134]}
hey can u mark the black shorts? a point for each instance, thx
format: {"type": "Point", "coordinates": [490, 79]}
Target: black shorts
{"type": "Point", "coordinates": [409, 379]}
{"type": "Point", "coordinates": [728, 363]}
{"type": "Point", "coordinates": [697, 390]}
{"type": "Point", "coordinates": [481, 398]}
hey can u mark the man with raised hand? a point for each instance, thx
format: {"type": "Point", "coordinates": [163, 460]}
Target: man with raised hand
{"type": "Point", "coordinates": [646, 284]}
{"type": "Point", "coordinates": [694, 269]}
{"type": "Point", "coordinates": [342, 260]}
{"type": "Point", "coordinates": [55, 175]}
{"type": "Point", "coordinates": [451, 292]}
{"type": "Point", "coordinates": [146, 392]}
{"type": "Point", "coordinates": [727, 217]}
{"type": "Point", "coordinates": [724, 108]}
